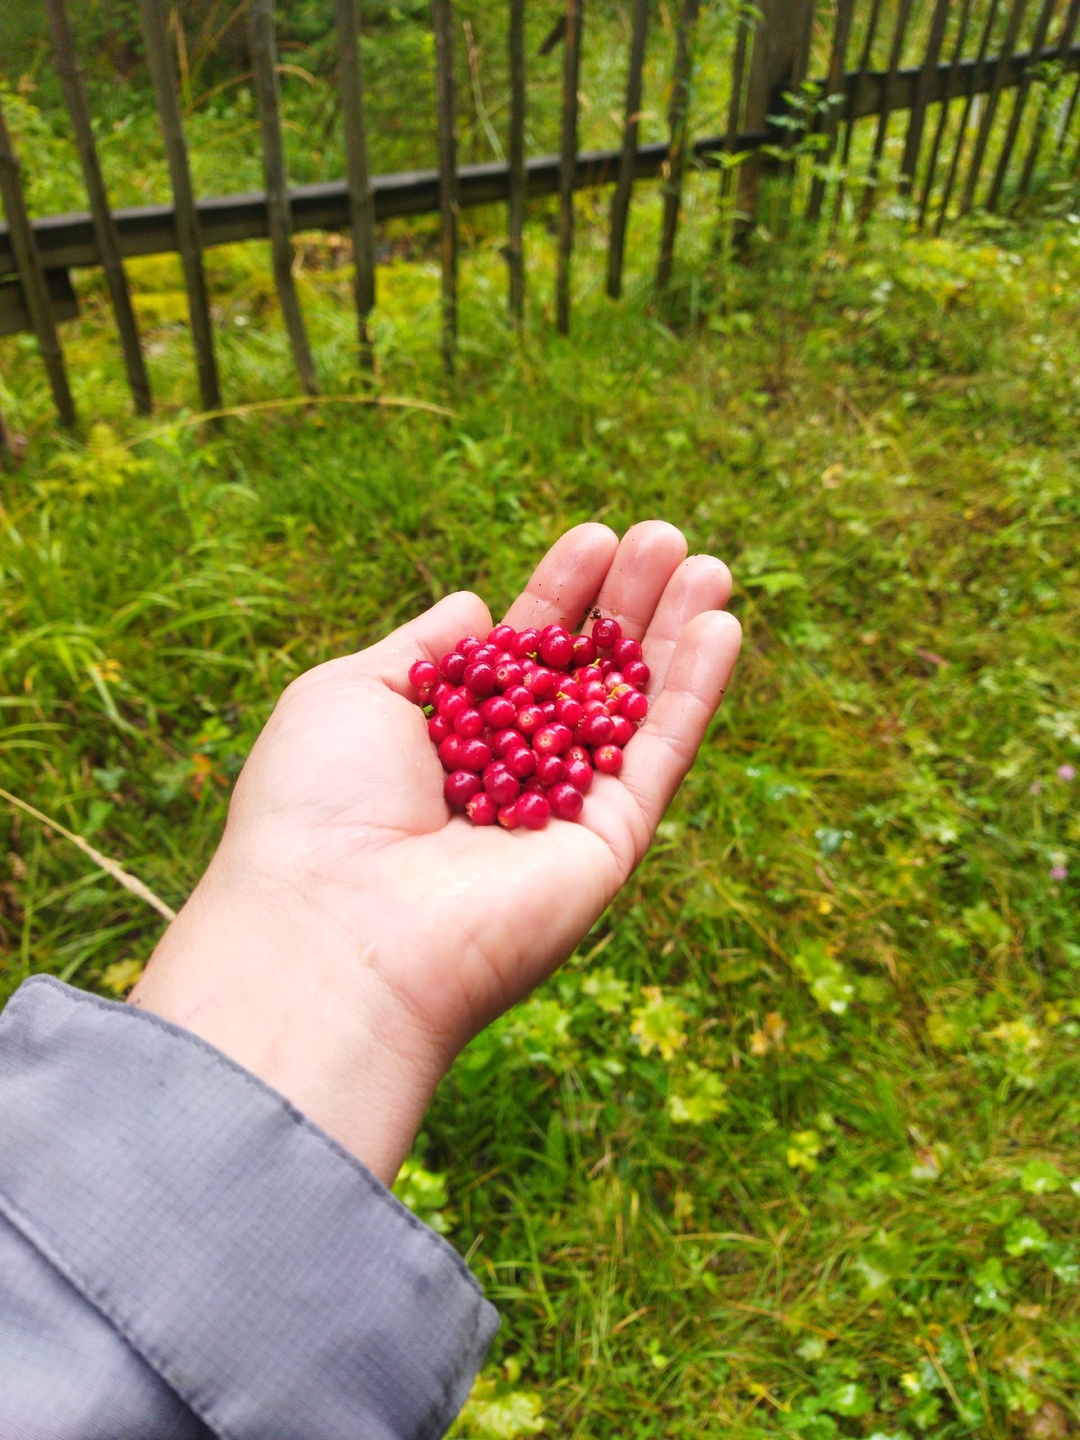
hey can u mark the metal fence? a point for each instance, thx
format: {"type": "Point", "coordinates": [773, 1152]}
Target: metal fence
{"type": "Point", "coordinates": [987, 91]}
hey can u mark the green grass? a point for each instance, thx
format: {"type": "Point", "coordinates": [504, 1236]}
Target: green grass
{"type": "Point", "coordinates": [791, 1145]}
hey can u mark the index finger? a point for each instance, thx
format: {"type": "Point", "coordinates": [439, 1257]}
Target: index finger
{"type": "Point", "coordinates": [567, 580]}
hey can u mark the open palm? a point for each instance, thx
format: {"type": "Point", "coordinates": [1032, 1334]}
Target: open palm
{"type": "Point", "coordinates": [358, 895]}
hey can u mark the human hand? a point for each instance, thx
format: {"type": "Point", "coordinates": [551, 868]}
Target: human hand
{"type": "Point", "coordinates": [350, 936]}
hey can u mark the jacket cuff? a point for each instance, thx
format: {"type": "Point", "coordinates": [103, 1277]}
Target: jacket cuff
{"type": "Point", "coordinates": [271, 1280]}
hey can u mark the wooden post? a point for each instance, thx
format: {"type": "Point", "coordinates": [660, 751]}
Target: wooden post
{"type": "Point", "coordinates": [865, 58]}
{"type": "Point", "coordinates": [264, 62]}
{"type": "Point", "coordinates": [943, 111]}
{"type": "Point", "coordinates": [1038, 41]}
{"type": "Point", "coordinates": [917, 118]}
{"type": "Point", "coordinates": [678, 115]}
{"type": "Point", "coordinates": [724, 230]}
{"type": "Point", "coordinates": [28, 261]}
{"type": "Point", "coordinates": [515, 252]}
{"type": "Point", "coordinates": [969, 100]}
{"type": "Point", "coordinates": [1039, 131]}
{"type": "Point", "coordinates": [1012, 30]}
{"type": "Point", "coordinates": [624, 185]}
{"type": "Point", "coordinates": [899, 35]}
{"type": "Point", "coordinates": [448, 204]}
{"type": "Point", "coordinates": [833, 86]}
{"type": "Point", "coordinates": [189, 239]}
{"type": "Point", "coordinates": [71, 80]}
{"type": "Point", "coordinates": [779, 43]}
{"type": "Point", "coordinates": [568, 160]}
{"type": "Point", "coordinates": [361, 202]}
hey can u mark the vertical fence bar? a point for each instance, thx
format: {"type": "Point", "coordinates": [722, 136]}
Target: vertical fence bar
{"type": "Point", "coordinates": [744, 24]}
{"type": "Point", "coordinates": [969, 100]}
{"type": "Point", "coordinates": [515, 248]}
{"type": "Point", "coordinates": [869, 199]}
{"type": "Point", "coordinates": [943, 112]}
{"type": "Point", "coordinates": [568, 160]}
{"type": "Point", "coordinates": [1039, 132]}
{"type": "Point", "coordinates": [1070, 111]}
{"type": "Point", "coordinates": [778, 47]}
{"type": "Point", "coordinates": [624, 185]}
{"type": "Point", "coordinates": [917, 118]}
{"type": "Point", "coordinates": [1038, 42]}
{"type": "Point", "coordinates": [108, 244]}
{"type": "Point", "coordinates": [279, 211]}
{"type": "Point", "coordinates": [448, 201]}
{"type": "Point", "coordinates": [361, 203]}
{"type": "Point", "coordinates": [1012, 30]}
{"type": "Point", "coordinates": [865, 58]}
{"type": "Point", "coordinates": [833, 86]}
{"type": "Point", "coordinates": [32, 275]}
{"type": "Point", "coordinates": [188, 236]}
{"type": "Point", "coordinates": [678, 116]}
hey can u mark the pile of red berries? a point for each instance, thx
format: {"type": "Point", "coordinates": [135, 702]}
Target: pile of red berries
{"type": "Point", "coordinates": [523, 719]}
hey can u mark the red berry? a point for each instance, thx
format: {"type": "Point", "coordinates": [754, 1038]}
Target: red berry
{"type": "Point", "coordinates": [624, 730]}
{"type": "Point", "coordinates": [508, 673]}
{"type": "Point", "coordinates": [473, 754]}
{"type": "Point", "coordinates": [466, 645]}
{"type": "Point", "coordinates": [633, 705]}
{"type": "Point", "coordinates": [569, 690]}
{"type": "Point", "coordinates": [519, 695]}
{"type": "Point", "coordinates": [502, 636]}
{"type": "Point", "coordinates": [505, 742]}
{"type": "Point", "coordinates": [578, 752]}
{"type": "Point", "coordinates": [549, 769]}
{"type": "Point", "coordinates": [625, 650]}
{"type": "Point", "coordinates": [584, 649]}
{"type": "Point", "coordinates": [459, 788]}
{"type": "Point", "coordinates": [526, 642]}
{"type": "Point", "coordinates": [579, 773]}
{"type": "Point", "coordinates": [594, 690]}
{"type": "Point", "coordinates": [438, 728]}
{"type": "Point", "coordinates": [521, 763]}
{"type": "Point", "coordinates": [508, 817]}
{"type": "Point", "coordinates": [606, 667]}
{"type": "Point", "coordinates": [542, 684]}
{"type": "Point", "coordinates": [608, 759]}
{"type": "Point", "coordinates": [613, 679]}
{"type": "Point", "coordinates": [557, 649]}
{"type": "Point", "coordinates": [500, 784]}
{"type": "Point", "coordinates": [553, 739]}
{"type": "Point", "coordinates": [486, 655]}
{"type": "Point", "coordinates": [452, 666]}
{"type": "Point", "coordinates": [569, 712]}
{"type": "Point", "coordinates": [597, 730]}
{"type": "Point", "coordinates": [468, 723]}
{"type": "Point", "coordinates": [530, 719]}
{"type": "Point", "coordinates": [548, 708]}
{"type": "Point", "coordinates": [605, 632]}
{"type": "Point", "coordinates": [594, 707]}
{"type": "Point", "coordinates": [498, 711]}
{"type": "Point", "coordinates": [438, 691]}
{"type": "Point", "coordinates": [566, 801]}
{"type": "Point", "coordinates": [452, 704]}
{"type": "Point", "coordinates": [450, 752]}
{"type": "Point", "coordinates": [637, 673]}
{"type": "Point", "coordinates": [533, 810]}
{"type": "Point", "coordinates": [479, 679]}
{"type": "Point", "coordinates": [423, 674]}
{"type": "Point", "coordinates": [482, 810]}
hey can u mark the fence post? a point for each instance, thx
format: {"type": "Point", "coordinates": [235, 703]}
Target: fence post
{"type": "Point", "coordinates": [943, 111]}
{"type": "Point", "coordinates": [71, 80]}
{"type": "Point", "coordinates": [448, 203]}
{"type": "Point", "coordinates": [870, 193]}
{"type": "Point", "coordinates": [361, 202]}
{"type": "Point", "coordinates": [1039, 128]}
{"type": "Point", "coordinates": [1012, 30]}
{"type": "Point", "coordinates": [264, 62]}
{"type": "Point", "coordinates": [1038, 41]}
{"type": "Point", "coordinates": [865, 59]}
{"type": "Point", "coordinates": [833, 86]}
{"type": "Point", "coordinates": [779, 44]}
{"type": "Point", "coordinates": [515, 227]}
{"type": "Point", "coordinates": [916, 120]}
{"type": "Point", "coordinates": [624, 185]}
{"type": "Point", "coordinates": [568, 160]}
{"type": "Point", "coordinates": [969, 100]}
{"type": "Point", "coordinates": [28, 261]}
{"type": "Point", "coordinates": [189, 239]}
{"type": "Point", "coordinates": [678, 115]}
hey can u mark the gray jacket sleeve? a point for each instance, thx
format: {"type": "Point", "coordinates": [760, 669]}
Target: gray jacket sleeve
{"type": "Point", "coordinates": [182, 1254]}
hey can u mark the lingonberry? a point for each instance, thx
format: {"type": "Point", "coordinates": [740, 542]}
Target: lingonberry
{"type": "Point", "coordinates": [452, 666]}
{"type": "Point", "coordinates": [606, 667]}
{"type": "Point", "coordinates": [498, 711]}
{"type": "Point", "coordinates": [479, 679]}
{"type": "Point", "coordinates": [508, 673]}
{"type": "Point", "coordinates": [557, 649]}
{"type": "Point", "coordinates": [508, 816]}
{"type": "Point", "coordinates": [637, 673]}
{"type": "Point", "coordinates": [597, 730]}
{"type": "Point", "coordinates": [450, 752]}
{"type": "Point", "coordinates": [593, 690]}
{"type": "Point", "coordinates": [584, 649]}
{"type": "Point", "coordinates": [468, 723]}
{"type": "Point", "coordinates": [625, 650]}
{"type": "Point", "coordinates": [530, 719]}
{"type": "Point", "coordinates": [505, 742]}
{"type": "Point", "coordinates": [605, 632]}
{"type": "Point", "coordinates": [608, 759]}
{"type": "Point", "coordinates": [500, 784]}
{"type": "Point", "coordinates": [452, 703]}
{"type": "Point", "coordinates": [624, 730]}
{"type": "Point", "coordinates": [438, 728]}
{"type": "Point", "coordinates": [438, 691]}
{"type": "Point", "coordinates": [533, 810]}
{"type": "Point", "coordinates": [482, 810]}
{"type": "Point", "coordinates": [566, 801]}
{"type": "Point", "coordinates": [550, 769]}
{"type": "Point", "coordinates": [473, 754]}
{"type": "Point", "coordinates": [519, 695]}
{"type": "Point", "coordinates": [521, 763]}
{"type": "Point", "coordinates": [595, 707]}
{"type": "Point", "coordinates": [423, 674]}
{"type": "Point", "coordinates": [466, 645]}
{"type": "Point", "coordinates": [525, 642]}
{"type": "Point", "coordinates": [542, 684]}
{"type": "Point", "coordinates": [459, 788]}
{"type": "Point", "coordinates": [579, 773]}
{"type": "Point", "coordinates": [633, 705]}
{"type": "Point", "coordinates": [613, 679]}
{"type": "Point", "coordinates": [548, 708]}
{"type": "Point", "coordinates": [548, 741]}
{"type": "Point", "coordinates": [578, 752]}
{"type": "Point", "coordinates": [502, 636]}
{"type": "Point", "coordinates": [570, 712]}
{"type": "Point", "coordinates": [568, 690]}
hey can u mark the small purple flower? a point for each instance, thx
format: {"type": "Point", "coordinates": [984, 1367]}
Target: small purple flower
{"type": "Point", "coordinates": [1058, 872]}
{"type": "Point", "coordinates": [1035, 788]}
{"type": "Point", "coordinates": [1066, 772]}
